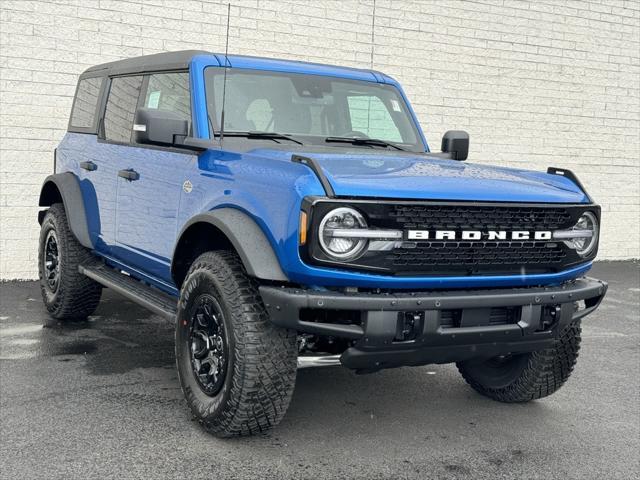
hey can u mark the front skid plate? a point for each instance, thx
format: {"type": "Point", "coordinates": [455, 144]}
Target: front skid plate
{"type": "Point", "coordinates": [374, 344]}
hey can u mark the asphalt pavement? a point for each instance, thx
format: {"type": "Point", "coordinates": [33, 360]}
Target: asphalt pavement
{"type": "Point", "coordinates": [101, 399]}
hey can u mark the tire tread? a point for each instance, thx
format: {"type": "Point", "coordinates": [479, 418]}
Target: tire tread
{"type": "Point", "coordinates": [78, 296]}
{"type": "Point", "coordinates": [546, 370]}
{"type": "Point", "coordinates": [265, 369]}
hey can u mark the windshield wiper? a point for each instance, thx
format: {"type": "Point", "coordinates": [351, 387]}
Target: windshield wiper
{"type": "Point", "coordinates": [363, 141]}
{"type": "Point", "coordinates": [265, 135]}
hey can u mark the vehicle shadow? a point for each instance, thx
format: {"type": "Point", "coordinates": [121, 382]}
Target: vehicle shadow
{"type": "Point", "coordinates": [431, 401]}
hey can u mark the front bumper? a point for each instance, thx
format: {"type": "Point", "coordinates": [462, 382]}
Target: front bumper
{"type": "Point", "coordinates": [541, 313]}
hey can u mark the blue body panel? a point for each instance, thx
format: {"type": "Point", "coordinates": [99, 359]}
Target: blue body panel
{"type": "Point", "coordinates": [403, 175]}
{"type": "Point", "coordinates": [132, 224]}
{"type": "Point", "coordinates": [135, 225]}
{"type": "Point", "coordinates": [99, 191]}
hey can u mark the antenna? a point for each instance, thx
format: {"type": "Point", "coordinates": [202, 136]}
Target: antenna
{"type": "Point", "coordinates": [373, 29]}
{"type": "Point", "coordinates": [373, 45]}
{"type": "Point", "coordinates": [224, 81]}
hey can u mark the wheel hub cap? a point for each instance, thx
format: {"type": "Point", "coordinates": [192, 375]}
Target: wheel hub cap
{"type": "Point", "coordinates": [207, 344]}
{"type": "Point", "coordinates": [51, 261]}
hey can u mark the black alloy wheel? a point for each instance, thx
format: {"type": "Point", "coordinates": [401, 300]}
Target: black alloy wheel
{"type": "Point", "coordinates": [51, 261]}
{"type": "Point", "coordinates": [208, 344]}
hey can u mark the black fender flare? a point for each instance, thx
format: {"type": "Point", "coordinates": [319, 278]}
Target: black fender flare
{"type": "Point", "coordinates": [69, 187]}
{"type": "Point", "coordinates": [247, 238]}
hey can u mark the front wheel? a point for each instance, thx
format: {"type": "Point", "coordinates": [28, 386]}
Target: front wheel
{"type": "Point", "coordinates": [527, 376]}
{"type": "Point", "coordinates": [237, 370]}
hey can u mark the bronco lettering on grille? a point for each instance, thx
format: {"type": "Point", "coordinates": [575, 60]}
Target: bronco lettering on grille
{"type": "Point", "coordinates": [477, 235]}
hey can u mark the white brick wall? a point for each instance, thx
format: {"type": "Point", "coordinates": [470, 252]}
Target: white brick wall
{"type": "Point", "coordinates": [536, 83]}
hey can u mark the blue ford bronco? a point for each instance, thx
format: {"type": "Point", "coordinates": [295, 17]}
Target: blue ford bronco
{"type": "Point", "coordinates": [292, 215]}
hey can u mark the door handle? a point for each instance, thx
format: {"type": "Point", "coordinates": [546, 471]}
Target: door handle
{"type": "Point", "coordinates": [88, 166]}
{"type": "Point", "coordinates": [129, 174]}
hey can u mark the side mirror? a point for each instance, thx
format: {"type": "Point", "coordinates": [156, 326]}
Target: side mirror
{"type": "Point", "coordinates": [456, 143]}
{"type": "Point", "coordinates": [159, 127]}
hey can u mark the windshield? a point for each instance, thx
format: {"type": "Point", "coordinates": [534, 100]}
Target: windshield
{"type": "Point", "coordinates": [314, 109]}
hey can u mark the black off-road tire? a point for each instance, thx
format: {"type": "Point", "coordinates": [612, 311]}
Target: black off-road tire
{"type": "Point", "coordinates": [528, 376]}
{"type": "Point", "coordinates": [75, 295]}
{"type": "Point", "coordinates": [261, 367]}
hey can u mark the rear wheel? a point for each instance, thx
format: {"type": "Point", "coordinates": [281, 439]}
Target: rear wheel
{"type": "Point", "coordinates": [67, 294]}
{"type": "Point", "coordinates": [528, 376]}
{"type": "Point", "coordinates": [237, 370]}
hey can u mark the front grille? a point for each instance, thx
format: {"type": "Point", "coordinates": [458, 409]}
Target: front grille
{"type": "Point", "coordinates": [477, 257]}
{"type": "Point", "coordinates": [485, 256]}
{"type": "Point", "coordinates": [477, 254]}
{"type": "Point", "coordinates": [461, 217]}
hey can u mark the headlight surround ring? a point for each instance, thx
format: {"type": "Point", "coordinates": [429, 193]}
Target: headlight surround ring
{"type": "Point", "coordinates": [591, 222]}
{"type": "Point", "coordinates": [584, 246]}
{"type": "Point", "coordinates": [340, 248]}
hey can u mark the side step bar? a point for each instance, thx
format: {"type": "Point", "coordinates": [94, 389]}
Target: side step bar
{"type": "Point", "coordinates": [311, 361]}
{"type": "Point", "coordinates": [166, 305]}
{"type": "Point", "coordinates": [144, 295]}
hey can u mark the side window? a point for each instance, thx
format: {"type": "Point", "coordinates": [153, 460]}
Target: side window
{"type": "Point", "coordinates": [370, 116]}
{"type": "Point", "coordinates": [170, 92]}
{"type": "Point", "coordinates": [83, 114]}
{"type": "Point", "coordinates": [121, 108]}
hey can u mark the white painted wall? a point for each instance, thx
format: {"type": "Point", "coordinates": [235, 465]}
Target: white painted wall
{"type": "Point", "coordinates": [536, 83]}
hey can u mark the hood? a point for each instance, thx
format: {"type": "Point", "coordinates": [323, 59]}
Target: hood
{"type": "Point", "coordinates": [420, 177]}
{"type": "Point", "coordinates": [427, 178]}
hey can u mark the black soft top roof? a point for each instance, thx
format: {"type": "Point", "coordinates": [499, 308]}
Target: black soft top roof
{"type": "Point", "coordinates": [180, 61]}
{"type": "Point", "coordinates": [146, 63]}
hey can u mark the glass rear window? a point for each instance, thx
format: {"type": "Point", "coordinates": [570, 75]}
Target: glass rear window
{"type": "Point", "coordinates": [85, 105]}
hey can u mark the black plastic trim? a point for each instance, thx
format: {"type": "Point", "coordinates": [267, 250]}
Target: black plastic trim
{"type": "Point", "coordinates": [367, 361]}
{"type": "Point", "coordinates": [89, 166]}
{"type": "Point", "coordinates": [146, 63]}
{"type": "Point", "coordinates": [199, 145]}
{"type": "Point", "coordinates": [309, 201]}
{"type": "Point", "coordinates": [178, 148]}
{"type": "Point", "coordinates": [144, 295]}
{"type": "Point", "coordinates": [315, 166]}
{"type": "Point", "coordinates": [247, 238]}
{"type": "Point", "coordinates": [284, 303]}
{"type": "Point", "coordinates": [69, 187]}
{"type": "Point", "coordinates": [375, 347]}
{"type": "Point", "coordinates": [571, 176]}
{"type": "Point", "coordinates": [129, 174]}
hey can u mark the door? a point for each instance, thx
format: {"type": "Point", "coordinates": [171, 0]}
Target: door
{"type": "Point", "coordinates": [79, 153]}
{"type": "Point", "coordinates": [148, 198]}
{"type": "Point", "coordinates": [112, 150]}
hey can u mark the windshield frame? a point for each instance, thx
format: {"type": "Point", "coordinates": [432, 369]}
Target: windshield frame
{"type": "Point", "coordinates": [213, 127]}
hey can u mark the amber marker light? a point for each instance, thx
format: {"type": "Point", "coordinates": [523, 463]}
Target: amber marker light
{"type": "Point", "coordinates": [303, 228]}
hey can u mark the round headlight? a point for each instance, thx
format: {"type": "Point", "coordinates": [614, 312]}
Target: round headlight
{"type": "Point", "coordinates": [334, 236]}
{"type": "Point", "coordinates": [587, 223]}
